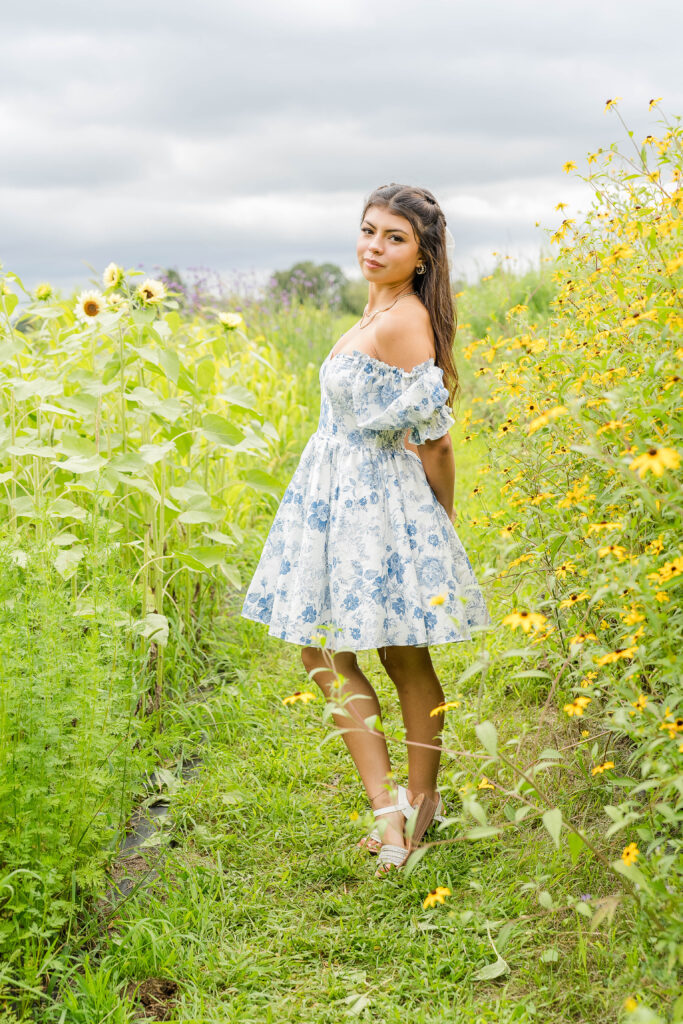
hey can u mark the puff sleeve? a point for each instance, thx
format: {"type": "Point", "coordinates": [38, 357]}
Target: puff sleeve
{"type": "Point", "coordinates": [415, 399]}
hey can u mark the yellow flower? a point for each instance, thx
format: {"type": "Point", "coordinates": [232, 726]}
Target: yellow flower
{"type": "Point", "coordinates": [436, 896]}
{"type": "Point", "coordinates": [231, 320]}
{"type": "Point", "coordinates": [89, 305]}
{"type": "Point", "coordinates": [585, 732]}
{"type": "Point", "coordinates": [527, 620]}
{"type": "Point", "coordinates": [640, 703]}
{"type": "Point", "coordinates": [117, 302]}
{"type": "Point", "coordinates": [43, 292]}
{"type": "Point", "coordinates": [630, 853]}
{"type": "Point", "coordinates": [632, 616]}
{"type": "Point", "coordinates": [661, 596]}
{"type": "Point", "coordinates": [656, 460]}
{"type": "Point", "coordinates": [151, 291]}
{"type": "Point", "coordinates": [604, 525]}
{"type": "Point", "coordinates": [546, 417]}
{"type": "Point", "coordinates": [617, 550]}
{"type": "Point", "coordinates": [354, 815]}
{"type": "Point", "coordinates": [622, 652]}
{"type": "Point", "coordinates": [565, 569]}
{"type": "Point", "coordinates": [446, 706]}
{"type": "Point", "coordinates": [569, 601]}
{"type": "Point", "coordinates": [304, 696]}
{"type": "Point", "coordinates": [577, 706]}
{"type": "Point", "coordinates": [581, 638]}
{"type": "Point", "coordinates": [485, 784]}
{"type": "Point", "coordinates": [112, 276]}
{"type": "Point", "coordinates": [611, 103]}
{"type": "Point", "coordinates": [569, 166]}
{"type": "Point", "coordinates": [438, 599]}
{"type": "Point", "coordinates": [600, 768]}
{"type": "Point", "coordinates": [653, 103]}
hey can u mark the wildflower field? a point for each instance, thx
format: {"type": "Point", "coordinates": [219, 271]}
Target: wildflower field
{"type": "Point", "coordinates": [145, 445]}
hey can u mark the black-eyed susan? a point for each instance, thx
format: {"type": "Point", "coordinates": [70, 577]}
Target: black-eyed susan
{"type": "Point", "coordinates": [654, 102]}
{"type": "Point", "coordinates": [627, 653]}
{"type": "Point", "coordinates": [641, 703]}
{"type": "Point", "coordinates": [611, 103]}
{"type": "Point", "coordinates": [112, 276]}
{"type": "Point", "coordinates": [629, 854]}
{"type": "Point", "coordinates": [656, 461]}
{"type": "Point", "coordinates": [569, 602]}
{"type": "Point", "coordinates": [437, 895]}
{"type": "Point", "coordinates": [581, 638]}
{"type": "Point", "coordinates": [565, 569]}
{"type": "Point", "coordinates": [600, 768]}
{"type": "Point", "coordinates": [441, 709]}
{"type": "Point", "coordinates": [616, 550]}
{"type": "Point", "coordinates": [151, 291]}
{"type": "Point", "coordinates": [605, 524]}
{"type": "Point", "coordinates": [303, 695]}
{"type": "Point", "coordinates": [577, 706]}
{"type": "Point", "coordinates": [89, 305]}
{"type": "Point", "coordinates": [526, 620]}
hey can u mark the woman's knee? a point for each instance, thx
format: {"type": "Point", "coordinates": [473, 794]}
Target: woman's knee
{"type": "Point", "coordinates": [404, 664]}
{"type": "Point", "coordinates": [315, 657]}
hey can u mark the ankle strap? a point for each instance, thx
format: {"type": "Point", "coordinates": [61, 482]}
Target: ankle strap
{"type": "Point", "coordinates": [387, 810]}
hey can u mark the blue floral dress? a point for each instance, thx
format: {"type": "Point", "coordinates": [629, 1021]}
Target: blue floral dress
{"type": "Point", "coordinates": [360, 544]}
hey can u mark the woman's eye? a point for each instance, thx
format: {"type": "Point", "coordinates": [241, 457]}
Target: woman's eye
{"type": "Point", "coordinates": [397, 238]}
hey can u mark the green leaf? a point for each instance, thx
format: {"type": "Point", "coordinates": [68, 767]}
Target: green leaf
{"type": "Point", "coordinates": [81, 464]}
{"type": "Point", "coordinates": [493, 970]}
{"type": "Point", "coordinates": [202, 557]}
{"type": "Point", "coordinates": [66, 561]}
{"type": "Point", "coordinates": [576, 845]}
{"type": "Point", "coordinates": [153, 627]}
{"type": "Point", "coordinates": [633, 873]}
{"type": "Point", "coordinates": [553, 822]}
{"type": "Point", "coordinates": [482, 832]}
{"type": "Point", "coordinates": [262, 481]}
{"type": "Point", "coordinates": [550, 956]}
{"type": "Point", "coordinates": [201, 515]}
{"type": "Point", "coordinates": [221, 431]}
{"type": "Point", "coordinates": [488, 737]}
{"type": "Point", "coordinates": [62, 508]}
{"type": "Point", "coordinates": [238, 395]}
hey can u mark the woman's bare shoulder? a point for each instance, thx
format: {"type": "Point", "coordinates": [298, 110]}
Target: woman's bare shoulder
{"type": "Point", "coordinates": [405, 339]}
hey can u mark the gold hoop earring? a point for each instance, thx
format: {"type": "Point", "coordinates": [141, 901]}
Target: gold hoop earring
{"type": "Point", "coordinates": [420, 268]}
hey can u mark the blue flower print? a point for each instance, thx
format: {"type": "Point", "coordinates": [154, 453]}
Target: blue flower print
{"type": "Point", "coordinates": [359, 541]}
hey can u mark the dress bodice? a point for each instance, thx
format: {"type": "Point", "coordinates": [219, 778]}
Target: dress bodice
{"type": "Point", "coordinates": [369, 403]}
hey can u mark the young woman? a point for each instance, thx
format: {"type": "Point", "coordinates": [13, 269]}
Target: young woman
{"type": "Point", "coordinates": [363, 548]}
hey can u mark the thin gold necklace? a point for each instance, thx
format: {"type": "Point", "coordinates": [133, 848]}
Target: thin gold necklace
{"type": "Point", "coordinates": [362, 326]}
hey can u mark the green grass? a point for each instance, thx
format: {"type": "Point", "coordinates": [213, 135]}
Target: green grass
{"type": "Point", "coordinates": [265, 911]}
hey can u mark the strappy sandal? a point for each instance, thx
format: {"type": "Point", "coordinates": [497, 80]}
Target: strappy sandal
{"type": "Point", "coordinates": [392, 857]}
{"type": "Point", "coordinates": [373, 841]}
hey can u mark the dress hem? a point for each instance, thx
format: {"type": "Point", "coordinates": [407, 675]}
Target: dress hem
{"type": "Point", "coordinates": [475, 630]}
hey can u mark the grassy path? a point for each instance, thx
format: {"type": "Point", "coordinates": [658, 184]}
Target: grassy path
{"type": "Point", "coordinates": [266, 912]}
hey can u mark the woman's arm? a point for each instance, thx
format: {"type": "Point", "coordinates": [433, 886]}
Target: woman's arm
{"type": "Point", "coordinates": [438, 462]}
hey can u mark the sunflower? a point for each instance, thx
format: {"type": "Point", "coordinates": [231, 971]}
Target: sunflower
{"type": "Point", "coordinates": [151, 291]}
{"type": "Point", "coordinates": [43, 292]}
{"type": "Point", "coordinates": [112, 276]}
{"type": "Point", "coordinates": [89, 305]}
{"type": "Point", "coordinates": [231, 320]}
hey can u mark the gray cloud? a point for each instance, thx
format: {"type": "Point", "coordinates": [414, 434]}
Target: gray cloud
{"type": "Point", "coordinates": [239, 135]}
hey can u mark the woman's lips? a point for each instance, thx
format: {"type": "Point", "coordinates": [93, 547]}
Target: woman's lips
{"type": "Point", "coordinates": [373, 263]}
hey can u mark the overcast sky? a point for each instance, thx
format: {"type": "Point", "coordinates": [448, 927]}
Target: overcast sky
{"type": "Point", "coordinates": [246, 135]}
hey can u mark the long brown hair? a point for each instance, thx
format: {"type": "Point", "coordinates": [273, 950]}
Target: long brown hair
{"type": "Point", "coordinates": [419, 206]}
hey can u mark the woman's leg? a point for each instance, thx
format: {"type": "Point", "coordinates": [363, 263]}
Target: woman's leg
{"type": "Point", "coordinates": [367, 747]}
{"type": "Point", "coordinates": [419, 691]}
